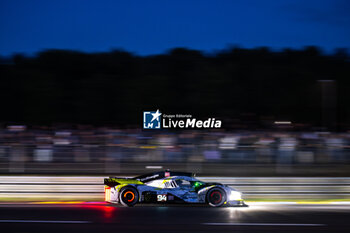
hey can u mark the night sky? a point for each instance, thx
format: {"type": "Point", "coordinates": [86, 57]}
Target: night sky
{"type": "Point", "coordinates": [149, 27]}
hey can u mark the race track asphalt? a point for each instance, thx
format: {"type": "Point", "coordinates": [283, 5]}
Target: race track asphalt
{"type": "Point", "coordinates": [101, 217]}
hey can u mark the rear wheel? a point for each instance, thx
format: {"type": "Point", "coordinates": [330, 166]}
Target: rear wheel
{"type": "Point", "coordinates": [128, 196]}
{"type": "Point", "coordinates": [216, 197]}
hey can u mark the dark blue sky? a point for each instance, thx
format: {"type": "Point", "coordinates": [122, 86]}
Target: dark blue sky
{"type": "Point", "coordinates": [149, 27]}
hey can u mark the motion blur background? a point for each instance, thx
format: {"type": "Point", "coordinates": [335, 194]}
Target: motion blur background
{"type": "Point", "coordinates": [75, 77]}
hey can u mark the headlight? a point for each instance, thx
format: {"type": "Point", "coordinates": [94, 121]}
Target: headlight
{"type": "Point", "coordinates": [234, 195]}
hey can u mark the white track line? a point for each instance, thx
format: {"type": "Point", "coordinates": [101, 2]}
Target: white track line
{"type": "Point", "coordinates": [261, 224]}
{"type": "Point", "coordinates": [40, 221]}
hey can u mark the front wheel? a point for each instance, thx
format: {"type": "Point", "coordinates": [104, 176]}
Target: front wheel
{"type": "Point", "coordinates": [216, 197]}
{"type": "Point", "coordinates": [128, 196]}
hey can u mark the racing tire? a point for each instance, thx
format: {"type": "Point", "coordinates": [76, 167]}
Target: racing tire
{"type": "Point", "coordinates": [128, 196]}
{"type": "Point", "coordinates": [216, 197]}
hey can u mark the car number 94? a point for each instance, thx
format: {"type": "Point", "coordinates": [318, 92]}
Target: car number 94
{"type": "Point", "coordinates": [161, 197]}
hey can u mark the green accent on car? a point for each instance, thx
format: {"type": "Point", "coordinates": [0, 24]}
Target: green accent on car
{"type": "Point", "coordinates": [166, 180]}
{"type": "Point", "coordinates": [119, 187]}
{"type": "Point", "coordinates": [123, 181]}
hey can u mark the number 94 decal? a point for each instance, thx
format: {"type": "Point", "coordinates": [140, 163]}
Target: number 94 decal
{"type": "Point", "coordinates": [161, 197]}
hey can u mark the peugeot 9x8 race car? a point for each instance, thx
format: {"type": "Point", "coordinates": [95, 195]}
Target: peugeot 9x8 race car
{"type": "Point", "coordinates": [169, 187]}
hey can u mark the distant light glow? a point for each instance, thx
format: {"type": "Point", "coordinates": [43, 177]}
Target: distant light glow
{"type": "Point", "coordinates": [154, 167]}
{"type": "Point", "coordinates": [283, 122]}
{"type": "Point", "coordinates": [326, 80]}
{"type": "Point", "coordinates": [16, 128]}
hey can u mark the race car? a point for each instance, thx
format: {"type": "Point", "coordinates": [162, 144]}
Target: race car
{"type": "Point", "coordinates": [169, 187]}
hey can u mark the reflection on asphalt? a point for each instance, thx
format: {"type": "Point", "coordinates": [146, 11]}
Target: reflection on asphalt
{"type": "Point", "coordinates": [97, 217]}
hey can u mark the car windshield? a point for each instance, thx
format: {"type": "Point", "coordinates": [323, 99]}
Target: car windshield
{"type": "Point", "coordinates": [183, 183]}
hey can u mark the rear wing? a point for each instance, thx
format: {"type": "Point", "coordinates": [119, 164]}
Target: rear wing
{"type": "Point", "coordinates": [115, 181]}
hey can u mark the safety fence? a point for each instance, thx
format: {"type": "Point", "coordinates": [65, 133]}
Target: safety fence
{"type": "Point", "coordinates": [85, 188]}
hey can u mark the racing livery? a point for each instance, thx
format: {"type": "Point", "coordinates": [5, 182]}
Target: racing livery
{"type": "Point", "coordinates": [169, 187]}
